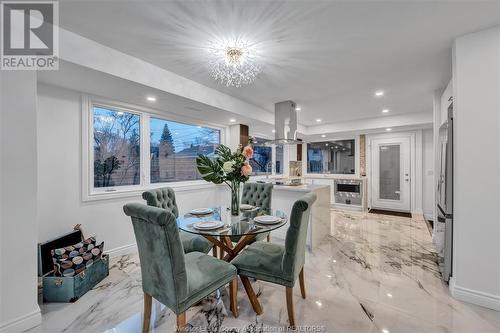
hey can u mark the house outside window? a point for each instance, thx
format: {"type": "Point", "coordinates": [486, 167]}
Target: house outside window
{"type": "Point", "coordinates": [174, 147]}
{"type": "Point", "coordinates": [128, 149]}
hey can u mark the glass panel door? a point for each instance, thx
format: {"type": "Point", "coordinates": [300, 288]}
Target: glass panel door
{"type": "Point", "coordinates": [389, 172]}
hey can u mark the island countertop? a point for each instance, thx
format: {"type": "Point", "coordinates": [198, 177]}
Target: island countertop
{"type": "Point", "coordinates": [300, 188]}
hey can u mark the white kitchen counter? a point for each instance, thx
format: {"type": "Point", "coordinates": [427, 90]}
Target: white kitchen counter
{"type": "Point", "coordinates": [319, 224]}
{"type": "Point", "coordinates": [299, 188]}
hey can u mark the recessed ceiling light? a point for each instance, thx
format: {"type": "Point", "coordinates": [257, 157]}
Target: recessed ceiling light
{"type": "Point", "coordinates": [323, 135]}
{"type": "Point", "coordinates": [385, 111]}
{"type": "Point", "coordinates": [326, 144]}
{"type": "Point", "coordinates": [319, 304]}
{"type": "Point", "coordinates": [274, 131]}
{"type": "Point", "coordinates": [388, 129]}
{"type": "Point", "coordinates": [151, 99]}
{"type": "Point", "coordinates": [298, 108]}
{"type": "Point", "coordinates": [318, 120]}
{"type": "Point", "coordinates": [385, 330]}
{"type": "Point", "coordinates": [389, 295]}
{"type": "Point", "coordinates": [379, 93]}
{"type": "Point", "coordinates": [232, 120]}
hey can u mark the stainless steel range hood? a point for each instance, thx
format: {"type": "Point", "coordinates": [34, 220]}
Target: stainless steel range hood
{"type": "Point", "coordinates": [285, 124]}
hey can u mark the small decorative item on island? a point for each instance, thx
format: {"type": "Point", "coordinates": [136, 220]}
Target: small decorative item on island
{"type": "Point", "coordinates": [227, 167]}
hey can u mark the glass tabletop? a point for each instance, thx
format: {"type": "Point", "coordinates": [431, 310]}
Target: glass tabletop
{"type": "Point", "coordinates": [240, 225]}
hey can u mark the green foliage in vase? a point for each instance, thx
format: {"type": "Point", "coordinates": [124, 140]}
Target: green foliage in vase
{"type": "Point", "coordinates": [227, 166]}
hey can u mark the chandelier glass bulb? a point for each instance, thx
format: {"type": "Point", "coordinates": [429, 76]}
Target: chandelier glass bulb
{"type": "Point", "coordinates": [233, 64]}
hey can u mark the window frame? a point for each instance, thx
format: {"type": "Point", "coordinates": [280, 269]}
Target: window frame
{"type": "Point", "coordinates": [162, 117]}
{"type": "Point", "coordinates": [347, 175]}
{"type": "Point", "coordinates": [91, 193]}
{"type": "Point", "coordinates": [273, 157]}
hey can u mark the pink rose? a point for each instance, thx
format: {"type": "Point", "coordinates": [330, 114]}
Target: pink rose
{"type": "Point", "coordinates": [248, 151]}
{"type": "Point", "coordinates": [246, 169]}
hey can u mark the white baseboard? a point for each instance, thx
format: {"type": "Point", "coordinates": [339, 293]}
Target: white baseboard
{"type": "Point", "coordinates": [417, 212]}
{"type": "Point", "coordinates": [429, 217]}
{"type": "Point", "coordinates": [122, 250]}
{"type": "Point", "coordinates": [22, 323]}
{"type": "Point", "coordinates": [475, 297]}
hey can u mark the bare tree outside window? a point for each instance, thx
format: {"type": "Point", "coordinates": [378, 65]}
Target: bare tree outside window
{"type": "Point", "coordinates": [116, 148]}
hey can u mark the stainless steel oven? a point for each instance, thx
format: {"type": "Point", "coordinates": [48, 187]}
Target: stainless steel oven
{"type": "Point", "coordinates": [348, 191]}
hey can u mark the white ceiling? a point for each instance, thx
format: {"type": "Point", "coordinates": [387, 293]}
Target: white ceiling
{"type": "Point", "coordinates": [329, 57]}
{"type": "Point", "coordinates": [115, 89]}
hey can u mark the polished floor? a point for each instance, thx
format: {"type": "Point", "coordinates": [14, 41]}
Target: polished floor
{"type": "Point", "coordinates": [376, 273]}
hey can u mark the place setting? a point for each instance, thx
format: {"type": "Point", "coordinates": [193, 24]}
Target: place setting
{"type": "Point", "coordinates": [208, 225]}
{"type": "Point", "coordinates": [267, 219]}
{"type": "Point", "coordinates": [248, 208]}
{"type": "Point", "coordinates": [201, 211]}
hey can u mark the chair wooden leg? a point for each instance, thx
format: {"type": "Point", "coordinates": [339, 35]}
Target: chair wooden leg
{"type": "Point", "coordinates": [269, 238]}
{"type": "Point", "coordinates": [214, 251]}
{"type": "Point", "coordinates": [251, 295]}
{"type": "Point", "coordinates": [233, 295]}
{"type": "Point", "coordinates": [181, 322]}
{"type": "Point", "coordinates": [289, 306]}
{"type": "Point", "coordinates": [148, 301]}
{"type": "Point", "coordinates": [302, 283]}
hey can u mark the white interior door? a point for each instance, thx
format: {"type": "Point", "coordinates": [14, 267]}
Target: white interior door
{"type": "Point", "coordinates": [390, 174]}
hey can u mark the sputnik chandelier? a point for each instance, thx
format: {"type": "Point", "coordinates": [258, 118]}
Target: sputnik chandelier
{"type": "Point", "coordinates": [233, 63]}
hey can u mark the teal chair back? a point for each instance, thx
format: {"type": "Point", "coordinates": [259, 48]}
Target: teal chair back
{"type": "Point", "coordinates": [161, 253]}
{"type": "Point", "coordinates": [296, 236]}
{"type": "Point", "coordinates": [258, 194]}
{"type": "Point", "coordinates": [162, 198]}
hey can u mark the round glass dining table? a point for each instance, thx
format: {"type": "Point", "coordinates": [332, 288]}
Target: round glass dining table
{"type": "Point", "coordinates": [234, 233]}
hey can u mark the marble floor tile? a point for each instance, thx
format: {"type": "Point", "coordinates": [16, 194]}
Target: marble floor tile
{"type": "Point", "coordinates": [374, 273]}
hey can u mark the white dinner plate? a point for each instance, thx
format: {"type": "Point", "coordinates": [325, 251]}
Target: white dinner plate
{"type": "Point", "coordinates": [208, 225]}
{"type": "Point", "coordinates": [267, 219]}
{"type": "Point", "coordinates": [201, 211]}
{"type": "Point", "coordinates": [246, 207]}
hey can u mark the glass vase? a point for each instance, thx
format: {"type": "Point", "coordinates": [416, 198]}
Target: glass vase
{"type": "Point", "coordinates": [235, 198]}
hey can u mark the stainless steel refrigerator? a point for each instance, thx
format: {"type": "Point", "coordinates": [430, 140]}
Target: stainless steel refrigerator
{"type": "Point", "coordinates": [445, 197]}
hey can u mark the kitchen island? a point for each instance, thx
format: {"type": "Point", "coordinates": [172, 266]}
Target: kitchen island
{"type": "Point", "coordinates": [283, 199]}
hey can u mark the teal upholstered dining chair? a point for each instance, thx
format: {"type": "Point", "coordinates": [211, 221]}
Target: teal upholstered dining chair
{"type": "Point", "coordinates": [259, 195]}
{"type": "Point", "coordinates": [165, 198]}
{"type": "Point", "coordinates": [280, 264]}
{"type": "Point", "coordinates": [176, 279]}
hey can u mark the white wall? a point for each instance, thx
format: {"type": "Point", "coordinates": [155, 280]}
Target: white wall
{"type": "Point", "coordinates": [428, 173]}
{"type": "Point", "coordinates": [18, 252]}
{"type": "Point", "coordinates": [476, 93]}
{"type": "Point", "coordinates": [59, 183]}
